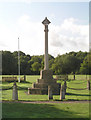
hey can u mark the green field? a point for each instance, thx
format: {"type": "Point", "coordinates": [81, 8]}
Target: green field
{"type": "Point", "coordinates": [44, 110]}
{"type": "Point", "coordinates": [52, 110]}
{"type": "Point", "coordinates": [80, 82]}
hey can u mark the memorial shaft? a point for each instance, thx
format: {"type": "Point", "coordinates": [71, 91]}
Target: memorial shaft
{"type": "Point", "coordinates": [45, 23]}
{"type": "Point", "coordinates": [46, 66]}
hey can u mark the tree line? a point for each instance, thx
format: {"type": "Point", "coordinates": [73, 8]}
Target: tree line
{"type": "Point", "coordinates": [69, 63]}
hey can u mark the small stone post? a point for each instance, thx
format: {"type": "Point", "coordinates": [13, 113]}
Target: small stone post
{"type": "Point", "coordinates": [28, 91]}
{"type": "Point", "coordinates": [88, 84]}
{"type": "Point", "coordinates": [15, 92]}
{"type": "Point", "coordinates": [86, 76]}
{"type": "Point", "coordinates": [74, 76]}
{"type": "Point", "coordinates": [24, 78]}
{"type": "Point", "coordinates": [62, 92]}
{"type": "Point", "coordinates": [65, 86]}
{"type": "Point", "coordinates": [33, 85]}
{"type": "Point", "coordinates": [50, 95]}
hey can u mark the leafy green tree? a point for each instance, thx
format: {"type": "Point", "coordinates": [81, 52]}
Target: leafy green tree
{"type": "Point", "coordinates": [84, 69]}
{"type": "Point", "coordinates": [9, 65]}
{"type": "Point", "coordinates": [70, 64]}
{"type": "Point", "coordinates": [81, 55]}
{"type": "Point", "coordinates": [24, 62]}
{"type": "Point", "coordinates": [36, 67]}
{"type": "Point", "coordinates": [73, 62]}
{"type": "Point", "coordinates": [57, 65]}
{"type": "Point", "coordinates": [65, 64]}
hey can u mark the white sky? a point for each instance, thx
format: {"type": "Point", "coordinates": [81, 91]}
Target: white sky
{"type": "Point", "coordinates": [68, 31]}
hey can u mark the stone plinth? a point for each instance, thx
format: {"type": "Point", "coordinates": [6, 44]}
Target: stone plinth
{"type": "Point", "coordinates": [41, 86]}
{"type": "Point", "coordinates": [46, 74]}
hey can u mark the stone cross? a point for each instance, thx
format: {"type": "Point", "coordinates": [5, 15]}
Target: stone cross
{"type": "Point", "coordinates": [46, 22]}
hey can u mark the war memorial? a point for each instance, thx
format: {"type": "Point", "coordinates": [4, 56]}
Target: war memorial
{"type": "Point", "coordinates": [46, 75]}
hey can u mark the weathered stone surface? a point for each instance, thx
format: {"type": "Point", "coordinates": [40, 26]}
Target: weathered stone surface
{"type": "Point", "coordinates": [50, 95]}
{"type": "Point", "coordinates": [39, 91]}
{"type": "Point", "coordinates": [28, 91]}
{"type": "Point", "coordinates": [46, 75]}
{"type": "Point", "coordinates": [62, 92]}
{"type": "Point", "coordinates": [41, 86]}
{"type": "Point", "coordinates": [44, 90]}
{"type": "Point", "coordinates": [15, 92]}
{"type": "Point", "coordinates": [65, 86]}
{"type": "Point", "coordinates": [88, 84]}
{"type": "Point", "coordinates": [46, 81]}
{"type": "Point", "coordinates": [45, 23]}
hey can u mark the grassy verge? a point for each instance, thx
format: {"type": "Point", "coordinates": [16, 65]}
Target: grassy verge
{"type": "Point", "coordinates": [52, 110]}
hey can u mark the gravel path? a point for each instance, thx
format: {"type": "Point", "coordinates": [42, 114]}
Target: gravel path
{"type": "Point", "coordinates": [40, 102]}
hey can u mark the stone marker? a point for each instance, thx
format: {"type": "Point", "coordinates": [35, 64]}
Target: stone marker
{"type": "Point", "coordinates": [74, 76]}
{"type": "Point", "coordinates": [88, 84]}
{"type": "Point", "coordinates": [50, 95]}
{"type": "Point", "coordinates": [46, 75]}
{"type": "Point", "coordinates": [62, 92]}
{"type": "Point", "coordinates": [15, 92]}
{"type": "Point", "coordinates": [24, 77]}
{"type": "Point", "coordinates": [46, 22]}
{"type": "Point", "coordinates": [28, 91]}
{"type": "Point", "coordinates": [65, 86]}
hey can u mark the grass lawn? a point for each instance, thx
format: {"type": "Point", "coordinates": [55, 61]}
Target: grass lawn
{"type": "Point", "coordinates": [80, 82]}
{"type": "Point", "coordinates": [50, 110]}
{"type": "Point", "coordinates": [44, 110]}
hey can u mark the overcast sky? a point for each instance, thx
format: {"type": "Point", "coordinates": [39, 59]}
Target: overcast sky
{"type": "Point", "coordinates": [68, 31]}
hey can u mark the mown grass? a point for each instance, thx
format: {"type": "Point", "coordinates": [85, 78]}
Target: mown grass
{"type": "Point", "coordinates": [51, 110]}
{"type": "Point", "coordinates": [70, 95]}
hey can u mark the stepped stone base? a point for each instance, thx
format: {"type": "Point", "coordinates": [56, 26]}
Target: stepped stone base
{"type": "Point", "coordinates": [41, 86]}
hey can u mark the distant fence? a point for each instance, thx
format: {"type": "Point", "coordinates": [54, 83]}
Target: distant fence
{"type": "Point", "coordinates": [9, 79]}
{"type": "Point", "coordinates": [77, 88]}
{"type": "Point", "coordinates": [18, 87]}
{"type": "Point", "coordinates": [88, 86]}
{"type": "Point", "coordinates": [65, 78]}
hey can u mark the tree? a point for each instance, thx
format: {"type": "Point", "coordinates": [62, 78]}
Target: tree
{"type": "Point", "coordinates": [73, 62]}
{"type": "Point", "coordinates": [81, 55]}
{"type": "Point", "coordinates": [24, 65]}
{"type": "Point", "coordinates": [36, 67]}
{"type": "Point", "coordinates": [70, 64]}
{"type": "Point", "coordinates": [84, 69]}
{"type": "Point", "coordinates": [9, 65]}
{"type": "Point", "coordinates": [65, 64]}
{"type": "Point", "coordinates": [57, 65]}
